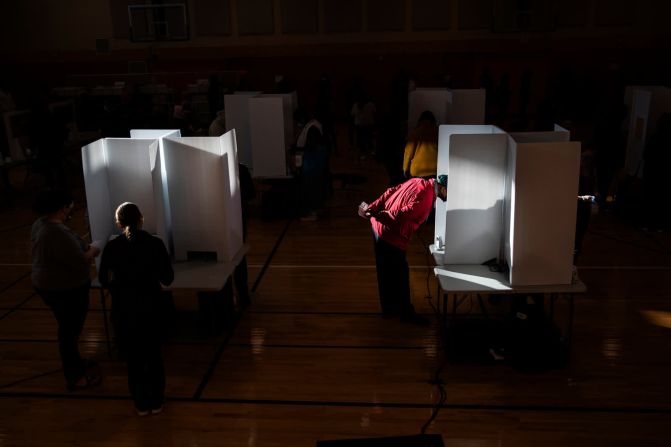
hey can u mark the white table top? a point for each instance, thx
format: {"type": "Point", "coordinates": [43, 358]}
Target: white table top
{"type": "Point", "coordinates": [478, 278]}
{"type": "Point", "coordinates": [204, 275]}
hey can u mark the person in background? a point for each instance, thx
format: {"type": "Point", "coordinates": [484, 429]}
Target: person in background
{"type": "Point", "coordinates": [218, 126]}
{"type": "Point", "coordinates": [312, 172]}
{"type": "Point", "coordinates": [133, 267]}
{"type": "Point", "coordinates": [61, 267]}
{"type": "Point", "coordinates": [363, 112]}
{"type": "Point", "coordinates": [394, 217]}
{"type": "Point", "coordinates": [421, 152]}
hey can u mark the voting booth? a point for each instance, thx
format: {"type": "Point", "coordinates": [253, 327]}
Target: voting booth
{"type": "Point", "coordinates": [271, 123]}
{"type": "Point", "coordinates": [189, 193]}
{"type": "Point", "coordinates": [187, 189]}
{"type": "Point", "coordinates": [265, 129]}
{"type": "Point", "coordinates": [449, 106]}
{"type": "Point", "coordinates": [118, 170]}
{"type": "Point", "coordinates": [236, 109]}
{"type": "Point", "coordinates": [646, 104]}
{"type": "Point", "coordinates": [541, 195]}
{"type": "Point", "coordinates": [470, 222]}
{"type": "Point", "coordinates": [512, 198]}
{"type": "Point", "coordinates": [204, 196]}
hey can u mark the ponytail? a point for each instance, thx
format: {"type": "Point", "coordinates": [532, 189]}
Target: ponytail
{"type": "Point", "coordinates": [129, 217]}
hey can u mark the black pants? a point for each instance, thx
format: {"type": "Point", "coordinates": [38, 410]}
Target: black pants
{"type": "Point", "coordinates": [70, 307]}
{"type": "Point", "coordinates": [146, 376]}
{"type": "Point", "coordinates": [141, 329]}
{"type": "Point", "coordinates": [393, 279]}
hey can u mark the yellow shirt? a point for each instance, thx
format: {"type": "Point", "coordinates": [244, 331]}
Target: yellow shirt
{"type": "Point", "coordinates": [421, 152]}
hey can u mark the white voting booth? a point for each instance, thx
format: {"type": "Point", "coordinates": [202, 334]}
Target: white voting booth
{"type": "Point", "coordinates": [187, 188]}
{"type": "Point", "coordinates": [432, 99]}
{"type": "Point", "coordinates": [204, 196]}
{"type": "Point", "coordinates": [117, 170]}
{"type": "Point", "coordinates": [474, 158]}
{"type": "Point", "coordinates": [264, 123]}
{"type": "Point", "coordinates": [646, 104]}
{"type": "Point", "coordinates": [510, 196]}
{"type": "Point", "coordinates": [236, 109]}
{"type": "Point", "coordinates": [449, 106]}
{"type": "Point", "coordinates": [542, 190]}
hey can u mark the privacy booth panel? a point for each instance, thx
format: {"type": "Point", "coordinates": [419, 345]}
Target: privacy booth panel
{"type": "Point", "coordinates": [541, 231]}
{"type": "Point", "coordinates": [96, 184]}
{"type": "Point", "coordinates": [445, 132]}
{"type": "Point", "coordinates": [432, 99]}
{"type": "Point", "coordinates": [204, 196]}
{"type": "Point", "coordinates": [474, 212]}
{"type": "Point", "coordinates": [236, 108]}
{"type": "Point", "coordinates": [466, 106]}
{"type": "Point", "coordinates": [288, 105]}
{"type": "Point", "coordinates": [268, 138]}
{"type": "Point", "coordinates": [159, 179]}
{"type": "Point", "coordinates": [116, 171]}
{"type": "Point", "coordinates": [154, 134]}
{"type": "Point", "coordinates": [130, 177]}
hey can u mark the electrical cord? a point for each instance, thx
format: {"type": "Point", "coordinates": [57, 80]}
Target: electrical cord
{"type": "Point", "coordinates": [436, 379]}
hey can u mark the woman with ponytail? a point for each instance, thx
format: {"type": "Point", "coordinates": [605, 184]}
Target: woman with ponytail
{"type": "Point", "coordinates": [133, 267]}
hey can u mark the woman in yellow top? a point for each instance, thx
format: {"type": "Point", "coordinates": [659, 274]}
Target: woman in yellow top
{"type": "Point", "coordinates": [421, 151]}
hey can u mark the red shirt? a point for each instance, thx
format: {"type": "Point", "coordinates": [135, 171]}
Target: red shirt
{"type": "Point", "coordinates": [401, 209]}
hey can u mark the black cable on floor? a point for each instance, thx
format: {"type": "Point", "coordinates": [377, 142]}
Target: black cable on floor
{"type": "Point", "coordinates": [437, 380]}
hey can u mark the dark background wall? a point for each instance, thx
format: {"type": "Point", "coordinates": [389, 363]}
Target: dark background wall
{"type": "Point", "coordinates": [438, 42]}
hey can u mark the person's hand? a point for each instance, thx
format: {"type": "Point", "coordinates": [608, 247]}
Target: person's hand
{"type": "Point", "coordinates": [91, 253]}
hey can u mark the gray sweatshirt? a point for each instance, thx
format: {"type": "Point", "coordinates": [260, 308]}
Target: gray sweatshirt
{"type": "Point", "coordinates": [58, 257]}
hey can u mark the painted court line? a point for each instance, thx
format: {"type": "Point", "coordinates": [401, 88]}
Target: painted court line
{"type": "Point", "coordinates": [422, 267]}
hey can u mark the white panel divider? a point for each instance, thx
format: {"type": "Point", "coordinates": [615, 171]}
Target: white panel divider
{"type": "Point", "coordinates": [510, 197]}
{"type": "Point", "coordinates": [474, 213]}
{"type": "Point", "coordinates": [187, 188]}
{"type": "Point", "coordinates": [236, 108]}
{"type": "Point", "coordinates": [268, 135]}
{"type": "Point", "coordinates": [466, 106]}
{"type": "Point", "coordinates": [434, 100]}
{"type": "Point", "coordinates": [543, 212]}
{"type": "Point", "coordinates": [96, 183]}
{"type": "Point", "coordinates": [129, 174]}
{"type": "Point", "coordinates": [204, 196]}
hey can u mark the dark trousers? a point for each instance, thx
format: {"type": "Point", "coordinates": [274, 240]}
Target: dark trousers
{"type": "Point", "coordinates": [70, 308]}
{"type": "Point", "coordinates": [393, 279]}
{"type": "Point", "coordinates": [146, 376]}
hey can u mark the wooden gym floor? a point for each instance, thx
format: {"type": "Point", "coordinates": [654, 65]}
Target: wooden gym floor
{"type": "Point", "coordinates": [312, 360]}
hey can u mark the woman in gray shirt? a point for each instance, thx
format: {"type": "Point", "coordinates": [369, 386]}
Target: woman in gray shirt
{"type": "Point", "coordinates": [61, 276]}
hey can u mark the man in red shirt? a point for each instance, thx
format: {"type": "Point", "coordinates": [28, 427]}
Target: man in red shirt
{"type": "Point", "coordinates": [394, 217]}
